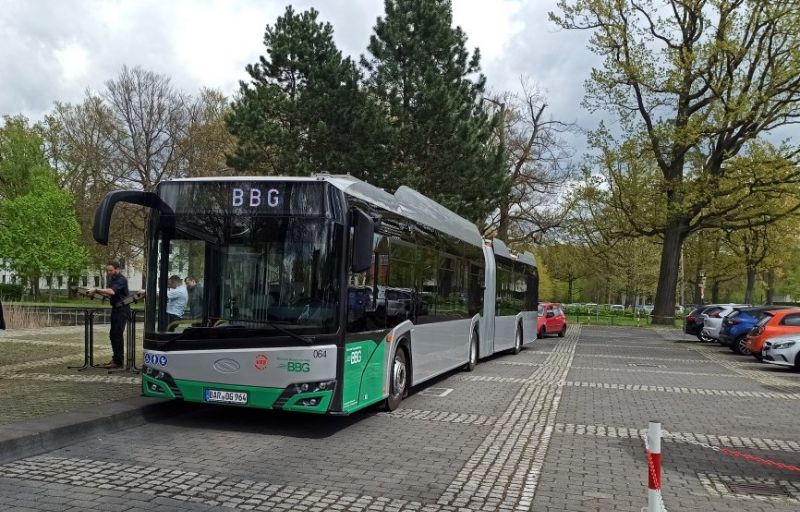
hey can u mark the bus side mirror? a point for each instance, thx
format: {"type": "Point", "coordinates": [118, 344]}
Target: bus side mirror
{"type": "Point", "coordinates": [102, 215]}
{"type": "Point", "coordinates": [363, 233]}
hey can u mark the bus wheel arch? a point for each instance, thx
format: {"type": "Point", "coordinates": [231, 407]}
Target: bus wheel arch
{"type": "Point", "coordinates": [399, 376]}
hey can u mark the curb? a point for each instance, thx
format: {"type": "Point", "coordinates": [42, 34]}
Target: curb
{"type": "Point", "coordinates": [39, 435]}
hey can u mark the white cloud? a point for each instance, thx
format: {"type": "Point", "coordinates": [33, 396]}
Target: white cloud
{"type": "Point", "coordinates": [489, 25]}
{"type": "Point", "coordinates": [53, 51]}
{"type": "Point", "coordinates": [74, 61]}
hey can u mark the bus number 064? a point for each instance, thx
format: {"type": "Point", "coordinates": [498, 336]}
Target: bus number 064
{"type": "Point", "coordinates": [320, 354]}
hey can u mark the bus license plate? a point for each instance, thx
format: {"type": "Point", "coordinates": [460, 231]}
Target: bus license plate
{"type": "Point", "coordinates": [228, 397]}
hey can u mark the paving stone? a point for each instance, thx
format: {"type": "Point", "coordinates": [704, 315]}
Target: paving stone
{"type": "Point", "coordinates": [557, 427]}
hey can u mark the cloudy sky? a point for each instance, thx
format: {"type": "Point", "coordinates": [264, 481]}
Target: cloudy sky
{"type": "Point", "coordinates": [53, 50]}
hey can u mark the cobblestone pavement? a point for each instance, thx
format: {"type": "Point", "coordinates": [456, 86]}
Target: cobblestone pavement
{"type": "Point", "coordinates": [35, 379]}
{"type": "Point", "coordinates": [556, 428]}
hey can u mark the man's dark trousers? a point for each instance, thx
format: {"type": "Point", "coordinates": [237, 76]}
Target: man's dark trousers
{"type": "Point", "coordinates": [119, 317]}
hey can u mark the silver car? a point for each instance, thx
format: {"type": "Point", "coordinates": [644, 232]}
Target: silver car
{"type": "Point", "coordinates": [712, 320]}
{"type": "Point", "coordinates": [782, 350]}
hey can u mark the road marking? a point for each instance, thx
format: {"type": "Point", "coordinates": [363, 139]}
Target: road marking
{"type": "Point", "coordinates": [492, 378]}
{"type": "Point", "coordinates": [436, 392]}
{"type": "Point", "coordinates": [752, 371]}
{"type": "Point", "coordinates": [192, 487]}
{"type": "Point", "coordinates": [441, 416]}
{"type": "Point", "coordinates": [683, 390]}
{"type": "Point", "coordinates": [504, 471]}
{"type": "Point", "coordinates": [623, 358]}
{"type": "Point", "coordinates": [667, 372]}
{"type": "Point", "coordinates": [753, 443]}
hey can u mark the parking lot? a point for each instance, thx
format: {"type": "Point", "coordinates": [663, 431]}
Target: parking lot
{"type": "Point", "coordinates": [557, 427]}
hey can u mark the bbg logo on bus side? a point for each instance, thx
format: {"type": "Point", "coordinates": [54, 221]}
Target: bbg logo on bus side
{"type": "Point", "coordinates": [155, 359]}
{"type": "Point", "coordinates": [297, 366]}
{"type": "Point", "coordinates": [355, 356]}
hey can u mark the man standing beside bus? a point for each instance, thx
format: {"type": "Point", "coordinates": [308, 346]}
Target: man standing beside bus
{"type": "Point", "coordinates": [116, 290]}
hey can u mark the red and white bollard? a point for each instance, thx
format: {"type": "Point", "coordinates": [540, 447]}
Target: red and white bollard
{"type": "Point", "coordinates": [654, 502]}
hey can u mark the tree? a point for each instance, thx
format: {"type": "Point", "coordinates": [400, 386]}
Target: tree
{"type": "Point", "coordinates": [38, 229]}
{"type": "Point", "coordinates": [208, 141]}
{"type": "Point", "coordinates": [302, 111]}
{"type": "Point", "coordinates": [566, 262]}
{"type": "Point", "coordinates": [77, 146]}
{"type": "Point", "coordinates": [21, 158]}
{"type": "Point", "coordinates": [136, 133]}
{"type": "Point", "coordinates": [149, 118]}
{"type": "Point", "coordinates": [420, 72]}
{"type": "Point", "coordinates": [538, 166]}
{"type": "Point", "coordinates": [698, 84]}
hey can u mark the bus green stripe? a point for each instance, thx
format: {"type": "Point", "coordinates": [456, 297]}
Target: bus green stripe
{"type": "Point", "coordinates": [364, 373]}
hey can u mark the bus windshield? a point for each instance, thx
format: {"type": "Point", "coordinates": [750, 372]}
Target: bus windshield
{"type": "Point", "coordinates": [216, 276]}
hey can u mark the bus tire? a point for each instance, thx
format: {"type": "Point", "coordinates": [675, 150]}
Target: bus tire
{"type": "Point", "coordinates": [398, 380]}
{"type": "Point", "coordinates": [517, 341]}
{"type": "Point", "coordinates": [473, 352]}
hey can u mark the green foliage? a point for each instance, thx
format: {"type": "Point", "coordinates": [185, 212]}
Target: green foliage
{"type": "Point", "coordinates": [547, 291]}
{"type": "Point", "coordinates": [21, 157]}
{"type": "Point", "coordinates": [695, 87]}
{"type": "Point", "coordinates": [38, 229]}
{"type": "Point", "coordinates": [303, 111]}
{"type": "Point", "coordinates": [40, 232]}
{"type": "Point", "coordinates": [10, 291]}
{"type": "Point", "coordinates": [420, 70]}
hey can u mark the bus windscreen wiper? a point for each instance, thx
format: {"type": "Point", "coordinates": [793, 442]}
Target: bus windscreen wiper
{"type": "Point", "coordinates": [287, 332]}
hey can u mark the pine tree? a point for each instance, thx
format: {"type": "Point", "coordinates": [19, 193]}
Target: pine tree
{"type": "Point", "coordinates": [302, 110]}
{"type": "Point", "coordinates": [420, 71]}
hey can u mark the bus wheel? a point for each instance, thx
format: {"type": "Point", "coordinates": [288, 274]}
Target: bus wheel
{"type": "Point", "coordinates": [473, 352]}
{"type": "Point", "coordinates": [398, 381]}
{"type": "Point", "coordinates": [518, 341]}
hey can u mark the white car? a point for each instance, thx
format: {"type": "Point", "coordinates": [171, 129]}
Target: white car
{"type": "Point", "coordinates": [782, 351]}
{"type": "Point", "coordinates": [712, 320]}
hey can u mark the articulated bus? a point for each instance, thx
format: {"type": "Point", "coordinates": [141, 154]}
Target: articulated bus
{"type": "Point", "coordinates": [320, 294]}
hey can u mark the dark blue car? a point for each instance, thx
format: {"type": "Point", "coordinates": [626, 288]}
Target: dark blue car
{"type": "Point", "coordinates": [736, 325]}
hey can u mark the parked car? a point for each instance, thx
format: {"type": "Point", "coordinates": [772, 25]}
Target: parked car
{"type": "Point", "coordinates": [738, 323]}
{"type": "Point", "coordinates": [782, 351]}
{"type": "Point", "coordinates": [552, 320]}
{"type": "Point", "coordinates": [772, 324]}
{"type": "Point", "coordinates": [712, 320]}
{"type": "Point", "coordinates": [693, 323]}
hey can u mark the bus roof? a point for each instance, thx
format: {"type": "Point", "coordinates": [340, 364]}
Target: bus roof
{"type": "Point", "coordinates": [405, 202]}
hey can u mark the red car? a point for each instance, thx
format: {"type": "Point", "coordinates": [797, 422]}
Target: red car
{"type": "Point", "coordinates": [552, 320]}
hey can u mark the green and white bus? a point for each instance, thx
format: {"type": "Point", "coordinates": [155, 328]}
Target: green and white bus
{"type": "Point", "coordinates": [320, 294]}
